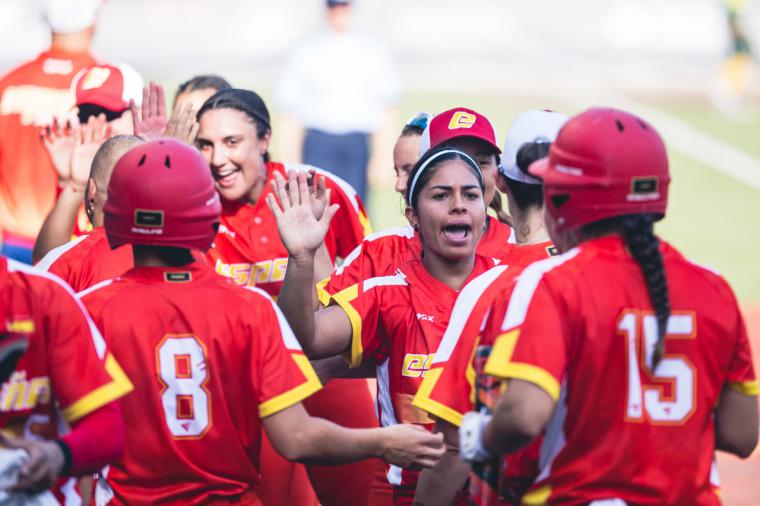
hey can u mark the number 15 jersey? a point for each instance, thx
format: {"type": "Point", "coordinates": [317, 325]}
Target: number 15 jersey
{"type": "Point", "coordinates": [208, 360]}
{"type": "Point", "coordinates": [581, 327]}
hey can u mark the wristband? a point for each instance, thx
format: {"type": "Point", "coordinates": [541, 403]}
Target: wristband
{"type": "Point", "coordinates": [67, 458]}
{"type": "Point", "coordinates": [471, 437]}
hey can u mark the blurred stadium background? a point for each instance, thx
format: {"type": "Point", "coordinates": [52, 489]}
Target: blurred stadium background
{"type": "Point", "coordinates": [663, 59]}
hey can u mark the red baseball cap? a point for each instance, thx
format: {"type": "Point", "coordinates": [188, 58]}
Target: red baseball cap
{"type": "Point", "coordinates": [108, 86]}
{"type": "Point", "coordinates": [457, 122]}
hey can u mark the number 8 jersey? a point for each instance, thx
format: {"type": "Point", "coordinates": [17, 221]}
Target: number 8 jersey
{"type": "Point", "coordinates": [581, 327]}
{"type": "Point", "coordinates": [209, 360]}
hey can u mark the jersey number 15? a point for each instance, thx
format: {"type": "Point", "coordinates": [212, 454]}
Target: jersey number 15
{"type": "Point", "coordinates": [646, 395]}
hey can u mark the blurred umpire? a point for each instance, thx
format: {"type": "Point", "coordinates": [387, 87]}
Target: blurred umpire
{"type": "Point", "coordinates": [337, 96]}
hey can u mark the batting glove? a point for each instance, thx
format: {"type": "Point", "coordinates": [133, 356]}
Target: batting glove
{"type": "Point", "coordinates": [471, 437]}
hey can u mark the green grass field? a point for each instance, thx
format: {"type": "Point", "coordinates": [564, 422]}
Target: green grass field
{"type": "Point", "coordinates": [712, 218]}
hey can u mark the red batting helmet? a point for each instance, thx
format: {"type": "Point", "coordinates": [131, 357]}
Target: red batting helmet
{"type": "Point", "coordinates": [161, 193]}
{"type": "Point", "coordinates": [604, 163]}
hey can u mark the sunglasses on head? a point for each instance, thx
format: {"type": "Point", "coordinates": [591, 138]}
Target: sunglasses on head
{"type": "Point", "coordinates": [420, 120]}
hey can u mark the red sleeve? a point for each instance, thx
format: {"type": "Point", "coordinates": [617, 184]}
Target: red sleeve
{"type": "Point", "coordinates": [346, 275]}
{"type": "Point", "coordinates": [448, 388]}
{"type": "Point", "coordinates": [741, 373]}
{"type": "Point", "coordinates": [284, 374]}
{"type": "Point", "coordinates": [362, 302]}
{"type": "Point", "coordinates": [350, 224]}
{"type": "Point", "coordinates": [96, 440]}
{"type": "Point", "coordinates": [531, 342]}
{"type": "Point", "coordinates": [83, 374]}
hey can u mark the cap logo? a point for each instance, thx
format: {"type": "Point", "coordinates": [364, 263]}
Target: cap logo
{"type": "Point", "coordinates": [462, 119]}
{"type": "Point", "coordinates": [95, 78]}
{"type": "Point", "coordinates": [177, 277]}
{"type": "Point", "coordinates": [148, 218]}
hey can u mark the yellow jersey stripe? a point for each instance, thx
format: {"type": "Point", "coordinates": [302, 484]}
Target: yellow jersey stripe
{"type": "Point", "coordinates": [423, 401]}
{"type": "Point", "coordinates": [294, 395]}
{"type": "Point", "coordinates": [750, 388]}
{"type": "Point", "coordinates": [117, 388]}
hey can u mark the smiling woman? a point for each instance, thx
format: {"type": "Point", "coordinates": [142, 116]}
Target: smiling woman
{"type": "Point", "coordinates": [393, 321]}
{"type": "Point", "coordinates": [233, 136]}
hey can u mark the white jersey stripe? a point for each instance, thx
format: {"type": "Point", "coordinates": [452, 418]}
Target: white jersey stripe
{"type": "Point", "coordinates": [396, 280]}
{"type": "Point", "coordinates": [407, 232]}
{"type": "Point", "coordinates": [56, 253]}
{"type": "Point", "coordinates": [466, 300]}
{"type": "Point", "coordinates": [526, 286]}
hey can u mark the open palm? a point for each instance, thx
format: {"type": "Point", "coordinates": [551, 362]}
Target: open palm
{"type": "Point", "coordinates": [300, 231]}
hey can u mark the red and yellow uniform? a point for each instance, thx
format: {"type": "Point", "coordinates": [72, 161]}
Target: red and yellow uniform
{"type": "Point", "coordinates": [87, 260]}
{"type": "Point", "coordinates": [398, 321]}
{"type": "Point", "coordinates": [66, 372]}
{"type": "Point", "coordinates": [455, 383]}
{"type": "Point", "coordinates": [382, 252]}
{"type": "Point", "coordinates": [248, 249]}
{"type": "Point", "coordinates": [30, 96]}
{"type": "Point", "coordinates": [220, 357]}
{"type": "Point", "coordinates": [565, 326]}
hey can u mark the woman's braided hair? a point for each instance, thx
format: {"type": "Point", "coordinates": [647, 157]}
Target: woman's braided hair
{"type": "Point", "coordinates": [638, 234]}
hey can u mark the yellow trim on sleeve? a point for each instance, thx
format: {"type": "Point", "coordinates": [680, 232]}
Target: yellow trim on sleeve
{"type": "Point", "coordinates": [503, 348]}
{"type": "Point", "coordinates": [294, 395]}
{"type": "Point", "coordinates": [117, 388]}
{"type": "Point", "coordinates": [750, 388]}
{"type": "Point", "coordinates": [526, 372]}
{"type": "Point", "coordinates": [364, 221]}
{"type": "Point", "coordinates": [343, 298]}
{"type": "Point", "coordinates": [423, 401]}
{"type": "Point", "coordinates": [322, 294]}
{"type": "Point", "coordinates": [537, 497]}
{"type": "Point", "coordinates": [24, 326]}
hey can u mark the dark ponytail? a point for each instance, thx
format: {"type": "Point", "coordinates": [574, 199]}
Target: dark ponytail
{"type": "Point", "coordinates": [638, 234]}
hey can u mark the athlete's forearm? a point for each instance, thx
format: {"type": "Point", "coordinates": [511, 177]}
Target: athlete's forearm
{"type": "Point", "coordinates": [296, 299]}
{"type": "Point", "coordinates": [442, 483]}
{"type": "Point", "coordinates": [59, 224]}
{"type": "Point", "coordinates": [96, 440]}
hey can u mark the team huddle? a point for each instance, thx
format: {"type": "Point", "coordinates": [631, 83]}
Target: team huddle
{"type": "Point", "coordinates": [226, 329]}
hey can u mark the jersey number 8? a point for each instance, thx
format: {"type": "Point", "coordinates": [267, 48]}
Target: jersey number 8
{"type": "Point", "coordinates": [649, 396]}
{"type": "Point", "coordinates": [181, 361]}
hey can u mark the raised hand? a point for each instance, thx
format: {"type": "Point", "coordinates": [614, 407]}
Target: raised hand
{"type": "Point", "coordinates": [150, 122]}
{"type": "Point", "coordinates": [301, 232]}
{"type": "Point", "coordinates": [411, 446]}
{"type": "Point", "coordinates": [89, 138]}
{"type": "Point", "coordinates": [182, 125]}
{"type": "Point", "coordinates": [59, 139]}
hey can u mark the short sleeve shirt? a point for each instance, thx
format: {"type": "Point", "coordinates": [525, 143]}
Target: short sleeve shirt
{"type": "Point", "coordinates": [209, 360]}
{"type": "Point", "coordinates": [248, 248]}
{"type": "Point", "coordinates": [66, 365]}
{"type": "Point", "coordinates": [581, 327]}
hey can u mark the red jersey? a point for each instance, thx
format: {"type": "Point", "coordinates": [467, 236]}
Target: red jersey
{"type": "Point", "coordinates": [87, 260]}
{"type": "Point", "coordinates": [208, 360]}
{"type": "Point", "coordinates": [455, 384]}
{"type": "Point", "coordinates": [586, 315]}
{"type": "Point", "coordinates": [398, 321]}
{"type": "Point", "coordinates": [30, 96]}
{"type": "Point", "coordinates": [381, 253]}
{"type": "Point", "coordinates": [248, 248]}
{"type": "Point", "coordinates": [66, 366]}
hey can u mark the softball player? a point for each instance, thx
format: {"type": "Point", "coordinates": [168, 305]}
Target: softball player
{"type": "Point", "coordinates": [633, 360]}
{"type": "Point", "coordinates": [449, 389]}
{"type": "Point", "coordinates": [88, 259]}
{"type": "Point", "coordinates": [212, 362]}
{"type": "Point", "coordinates": [392, 321]}
{"type": "Point", "coordinates": [381, 253]}
{"type": "Point", "coordinates": [406, 151]}
{"type": "Point", "coordinates": [234, 139]}
{"type": "Point", "coordinates": [55, 365]}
